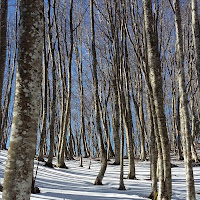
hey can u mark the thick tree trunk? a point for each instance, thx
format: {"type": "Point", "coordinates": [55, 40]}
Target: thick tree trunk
{"type": "Point", "coordinates": [19, 166]}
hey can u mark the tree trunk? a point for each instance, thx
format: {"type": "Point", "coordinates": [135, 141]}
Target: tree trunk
{"type": "Point", "coordinates": [184, 113]}
{"type": "Point", "coordinates": [196, 36]}
{"type": "Point", "coordinates": [53, 101]}
{"type": "Point", "coordinates": [44, 98]}
{"type": "Point", "coordinates": [102, 171]}
{"type": "Point", "coordinates": [62, 142]}
{"type": "Point", "coordinates": [3, 48]}
{"type": "Point", "coordinates": [165, 190]}
{"type": "Point", "coordinates": [153, 152]}
{"type": "Point", "coordinates": [180, 156]}
{"type": "Point", "coordinates": [19, 166]}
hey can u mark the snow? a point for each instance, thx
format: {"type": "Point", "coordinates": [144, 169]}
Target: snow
{"type": "Point", "coordinates": [77, 182]}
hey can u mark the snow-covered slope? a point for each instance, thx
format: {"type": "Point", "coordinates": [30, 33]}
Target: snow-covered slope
{"type": "Point", "coordinates": [77, 182]}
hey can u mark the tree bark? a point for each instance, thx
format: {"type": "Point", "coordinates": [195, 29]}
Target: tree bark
{"type": "Point", "coordinates": [102, 171]}
{"type": "Point", "coordinates": [3, 48]}
{"type": "Point", "coordinates": [184, 112]}
{"type": "Point", "coordinates": [19, 166]}
{"type": "Point", "coordinates": [165, 190]}
{"type": "Point", "coordinates": [196, 37]}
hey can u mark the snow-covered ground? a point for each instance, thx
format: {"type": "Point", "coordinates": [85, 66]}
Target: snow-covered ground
{"type": "Point", "coordinates": [77, 182]}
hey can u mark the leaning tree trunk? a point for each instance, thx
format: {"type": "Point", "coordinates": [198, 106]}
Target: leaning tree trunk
{"type": "Point", "coordinates": [102, 171]}
{"type": "Point", "coordinates": [19, 165]}
{"type": "Point", "coordinates": [165, 189]}
{"type": "Point", "coordinates": [3, 47]}
{"type": "Point", "coordinates": [184, 112]}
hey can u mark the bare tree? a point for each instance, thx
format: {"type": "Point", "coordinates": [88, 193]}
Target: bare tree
{"type": "Point", "coordinates": [184, 113]}
{"type": "Point", "coordinates": [154, 65]}
{"type": "Point", "coordinates": [196, 36]}
{"type": "Point", "coordinates": [100, 176]}
{"type": "Point", "coordinates": [3, 47]}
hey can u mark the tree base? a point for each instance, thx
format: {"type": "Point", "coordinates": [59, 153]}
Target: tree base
{"type": "Point", "coordinates": [153, 195]}
{"type": "Point", "coordinates": [131, 177]}
{"type": "Point", "coordinates": [1, 188]}
{"type": "Point", "coordinates": [98, 182]}
{"type": "Point", "coordinates": [35, 190]}
{"type": "Point", "coordinates": [63, 166]}
{"type": "Point", "coordinates": [50, 165]}
{"type": "Point", "coordinates": [121, 187]}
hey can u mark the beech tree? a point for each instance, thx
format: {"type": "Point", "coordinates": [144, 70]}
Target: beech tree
{"type": "Point", "coordinates": [19, 165]}
{"type": "Point", "coordinates": [184, 113]}
{"type": "Point", "coordinates": [165, 188]}
{"type": "Point", "coordinates": [3, 47]}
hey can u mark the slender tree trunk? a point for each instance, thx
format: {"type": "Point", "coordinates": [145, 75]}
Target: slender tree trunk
{"type": "Point", "coordinates": [62, 142]}
{"type": "Point", "coordinates": [44, 97]}
{"type": "Point", "coordinates": [165, 190]}
{"type": "Point", "coordinates": [81, 92]}
{"type": "Point", "coordinates": [102, 171]}
{"type": "Point", "coordinates": [3, 48]}
{"type": "Point", "coordinates": [121, 183]}
{"type": "Point", "coordinates": [153, 152]}
{"type": "Point", "coordinates": [178, 128]}
{"type": "Point", "coordinates": [115, 124]}
{"type": "Point", "coordinates": [142, 125]}
{"type": "Point", "coordinates": [184, 113]}
{"type": "Point", "coordinates": [196, 36]}
{"type": "Point", "coordinates": [19, 165]}
{"type": "Point", "coordinates": [193, 150]}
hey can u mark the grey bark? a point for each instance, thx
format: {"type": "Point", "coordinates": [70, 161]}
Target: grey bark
{"type": "Point", "coordinates": [44, 100]}
{"type": "Point", "coordinates": [196, 37]}
{"type": "Point", "coordinates": [165, 189]}
{"type": "Point", "coordinates": [178, 128]}
{"type": "Point", "coordinates": [53, 101]}
{"type": "Point", "coordinates": [184, 112]}
{"type": "Point", "coordinates": [153, 151]}
{"type": "Point", "coordinates": [100, 176]}
{"type": "Point", "coordinates": [19, 166]}
{"type": "Point", "coordinates": [62, 141]}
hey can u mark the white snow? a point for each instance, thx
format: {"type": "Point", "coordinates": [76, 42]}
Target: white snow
{"type": "Point", "coordinates": [77, 182]}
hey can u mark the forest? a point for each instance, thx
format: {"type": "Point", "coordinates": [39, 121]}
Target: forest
{"type": "Point", "coordinates": [114, 81]}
